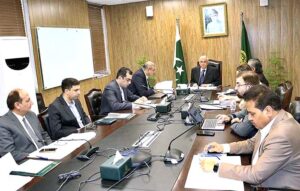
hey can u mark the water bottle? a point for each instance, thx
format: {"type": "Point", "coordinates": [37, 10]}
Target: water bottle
{"type": "Point", "coordinates": [232, 106]}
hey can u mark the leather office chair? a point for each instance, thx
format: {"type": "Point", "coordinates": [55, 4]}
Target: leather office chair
{"type": "Point", "coordinates": [40, 102]}
{"type": "Point", "coordinates": [285, 94]}
{"type": "Point", "coordinates": [93, 102]}
{"type": "Point", "coordinates": [215, 63]}
{"type": "Point", "coordinates": [218, 65]}
{"type": "Point", "coordinates": [44, 120]}
{"type": "Point", "coordinates": [295, 109]}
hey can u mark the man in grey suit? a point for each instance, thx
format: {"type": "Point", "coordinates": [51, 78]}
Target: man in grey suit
{"type": "Point", "coordinates": [116, 96]}
{"type": "Point", "coordinates": [66, 115]}
{"type": "Point", "coordinates": [20, 129]}
{"type": "Point", "coordinates": [275, 147]}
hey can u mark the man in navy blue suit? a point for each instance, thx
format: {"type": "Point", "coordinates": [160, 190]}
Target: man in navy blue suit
{"type": "Point", "coordinates": [66, 115]}
{"type": "Point", "coordinates": [204, 74]}
{"type": "Point", "coordinates": [116, 95]}
{"type": "Point", "coordinates": [139, 84]}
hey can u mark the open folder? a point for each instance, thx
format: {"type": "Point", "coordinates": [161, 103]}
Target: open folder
{"type": "Point", "coordinates": [34, 168]}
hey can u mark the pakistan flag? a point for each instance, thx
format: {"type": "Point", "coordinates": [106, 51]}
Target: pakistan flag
{"type": "Point", "coordinates": [179, 65]}
{"type": "Point", "coordinates": [245, 46]}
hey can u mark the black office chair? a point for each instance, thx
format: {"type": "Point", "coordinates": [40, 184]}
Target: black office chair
{"type": "Point", "coordinates": [285, 91]}
{"type": "Point", "coordinates": [295, 109]}
{"type": "Point", "coordinates": [44, 120]}
{"type": "Point", "coordinates": [93, 102]}
{"type": "Point", "coordinates": [40, 102]}
{"type": "Point", "coordinates": [217, 64]}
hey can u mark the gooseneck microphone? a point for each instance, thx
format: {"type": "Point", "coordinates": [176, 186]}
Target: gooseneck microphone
{"type": "Point", "coordinates": [175, 156]}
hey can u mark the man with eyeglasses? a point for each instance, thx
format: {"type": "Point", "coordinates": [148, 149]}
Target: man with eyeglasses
{"type": "Point", "coordinates": [275, 148]}
{"type": "Point", "coordinates": [240, 123]}
{"type": "Point", "coordinates": [204, 74]}
{"type": "Point", "coordinates": [116, 96]}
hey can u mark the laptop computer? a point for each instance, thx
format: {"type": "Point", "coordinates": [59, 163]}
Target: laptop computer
{"type": "Point", "coordinates": [209, 124]}
{"type": "Point", "coordinates": [158, 95]}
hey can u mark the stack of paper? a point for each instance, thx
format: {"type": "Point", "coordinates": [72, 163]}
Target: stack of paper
{"type": "Point", "coordinates": [10, 182]}
{"type": "Point", "coordinates": [198, 179]}
{"type": "Point", "coordinates": [64, 146]}
{"type": "Point", "coordinates": [165, 86]}
{"type": "Point", "coordinates": [120, 116]}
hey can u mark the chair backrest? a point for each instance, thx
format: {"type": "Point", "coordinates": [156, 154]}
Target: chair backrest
{"type": "Point", "coordinates": [295, 109]}
{"type": "Point", "coordinates": [285, 93]}
{"type": "Point", "coordinates": [44, 120]}
{"type": "Point", "coordinates": [217, 64]}
{"type": "Point", "coordinates": [40, 102]}
{"type": "Point", "coordinates": [93, 102]}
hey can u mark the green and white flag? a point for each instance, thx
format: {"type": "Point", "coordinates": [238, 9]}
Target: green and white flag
{"type": "Point", "coordinates": [245, 46]}
{"type": "Point", "coordinates": [179, 65]}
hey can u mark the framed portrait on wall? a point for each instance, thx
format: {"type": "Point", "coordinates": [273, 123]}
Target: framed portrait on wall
{"type": "Point", "coordinates": [214, 20]}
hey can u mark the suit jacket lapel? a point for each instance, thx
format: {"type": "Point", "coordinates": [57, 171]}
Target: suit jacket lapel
{"type": "Point", "coordinates": [256, 146]}
{"type": "Point", "coordinates": [118, 91]}
{"type": "Point", "coordinates": [36, 131]}
{"type": "Point", "coordinates": [66, 108]}
{"type": "Point", "coordinates": [17, 123]}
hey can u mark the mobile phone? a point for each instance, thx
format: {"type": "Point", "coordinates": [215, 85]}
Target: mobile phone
{"type": "Point", "coordinates": [205, 133]}
{"type": "Point", "coordinates": [47, 149]}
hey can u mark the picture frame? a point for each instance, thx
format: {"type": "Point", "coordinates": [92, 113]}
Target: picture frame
{"type": "Point", "coordinates": [214, 20]}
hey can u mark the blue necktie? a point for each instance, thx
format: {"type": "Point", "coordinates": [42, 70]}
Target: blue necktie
{"type": "Point", "coordinates": [202, 76]}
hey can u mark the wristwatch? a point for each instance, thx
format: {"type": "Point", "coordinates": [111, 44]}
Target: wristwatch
{"type": "Point", "coordinates": [216, 167]}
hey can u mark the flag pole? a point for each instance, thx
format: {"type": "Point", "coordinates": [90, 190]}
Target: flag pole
{"type": "Point", "coordinates": [177, 23]}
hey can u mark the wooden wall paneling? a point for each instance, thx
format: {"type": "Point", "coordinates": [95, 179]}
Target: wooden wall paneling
{"type": "Point", "coordinates": [131, 35]}
{"type": "Point", "coordinates": [60, 13]}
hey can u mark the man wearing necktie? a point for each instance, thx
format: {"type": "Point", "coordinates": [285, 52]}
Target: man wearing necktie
{"type": "Point", "coordinates": [205, 74]}
{"type": "Point", "coordinates": [20, 129]}
{"type": "Point", "coordinates": [275, 148]}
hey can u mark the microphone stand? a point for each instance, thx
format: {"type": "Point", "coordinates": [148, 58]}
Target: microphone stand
{"type": "Point", "coordinates": [175, 156]}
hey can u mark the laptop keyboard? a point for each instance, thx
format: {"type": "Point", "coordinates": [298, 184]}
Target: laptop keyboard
{"type": "Point", "coordinates": [209, 124]}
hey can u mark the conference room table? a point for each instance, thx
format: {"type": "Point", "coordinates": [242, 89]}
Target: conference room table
{"type": "Point", "coordinates": [122, 134]}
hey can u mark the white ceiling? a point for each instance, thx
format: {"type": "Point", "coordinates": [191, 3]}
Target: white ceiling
{"type": "Point", "coordinates": [113, 2]}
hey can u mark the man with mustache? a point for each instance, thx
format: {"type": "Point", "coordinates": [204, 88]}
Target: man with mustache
{"type": "Point", "coordinates": [240, 123]}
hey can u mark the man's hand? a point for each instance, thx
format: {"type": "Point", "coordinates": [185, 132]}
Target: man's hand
{"type": "Point", "coordinates": [214, 147]}
{"type": "Point", "coordinates": [208, 164]}
{"type": "Point", "coordinates": [236, 120]}
{"type": "Point", "coordinates": [223, 118]}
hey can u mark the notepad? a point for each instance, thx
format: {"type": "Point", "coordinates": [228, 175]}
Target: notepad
{"type": "Point", "coordinates": [120, 116]}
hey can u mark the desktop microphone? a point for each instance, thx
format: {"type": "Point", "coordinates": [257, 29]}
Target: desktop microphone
{"type": "Point", "coordinates": [175, 156]}
{"type": "Point", "coordinates": [85, 155]}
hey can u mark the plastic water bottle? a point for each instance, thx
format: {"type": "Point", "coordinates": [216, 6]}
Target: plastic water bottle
{"type": "Point", "coordinates": [232, 106]}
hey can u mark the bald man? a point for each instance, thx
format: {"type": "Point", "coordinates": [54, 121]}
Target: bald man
{"type": "Point", "coordinates": [20, 129]}
{"type": "Point", "coordinates": [204, 74]}
{"type": "Point", "coordinates": [139, 84]}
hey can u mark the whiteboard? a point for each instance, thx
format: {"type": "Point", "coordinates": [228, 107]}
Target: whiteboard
{"type": "Point", "coordinates": [64, 53]}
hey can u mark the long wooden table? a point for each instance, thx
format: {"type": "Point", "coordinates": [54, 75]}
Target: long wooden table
{"type": "Point", "coordinates": [162, 176]}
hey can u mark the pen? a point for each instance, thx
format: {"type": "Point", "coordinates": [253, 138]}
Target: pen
{"type": "Point", "coordinates": [42, 158]}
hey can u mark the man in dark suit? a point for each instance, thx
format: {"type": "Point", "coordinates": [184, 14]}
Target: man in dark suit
{"type": "Point", "coordinates": [66, 114]}
{"type": "Point", "coordinates": [20, 130]}
{"type": "Point", "coordinates": [139, 84]}
{"type": "Point", "coordinates": [275, 147]}
{"type": "Point", "coordinates": [116, 96]}
{"type": "Point", "coordinates": [204, 74]}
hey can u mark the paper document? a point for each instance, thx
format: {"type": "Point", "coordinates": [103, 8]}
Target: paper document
{"type": "Point", "coordinates": [198, 179]}
{"type": "Point", "coordinates": [210, 107]}
{"type": "Point", "coordinates": [164, 86]}
{"type": "Point", "coordinates": [204, 88]}
{"type": "Point", "coordinates": [10, 182]}
{"type": "Point", "coordinates": [64, 146]}
{"type": "Point", "coordinates": [120, 115]}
